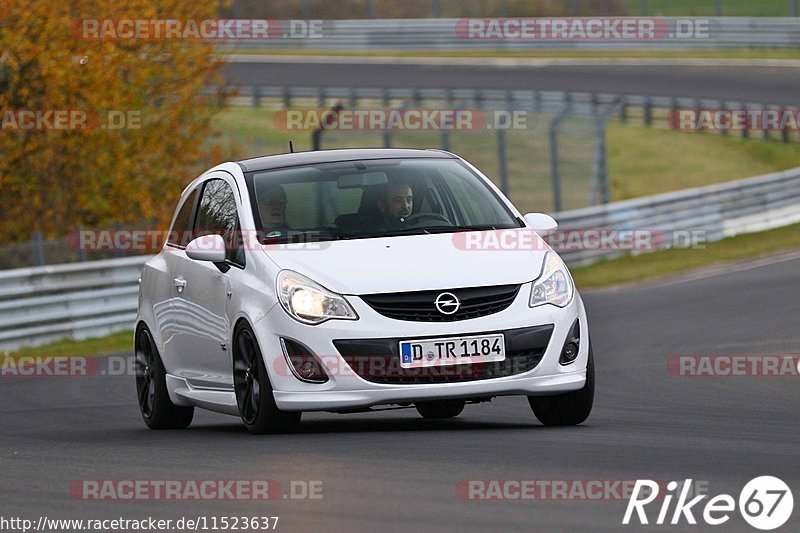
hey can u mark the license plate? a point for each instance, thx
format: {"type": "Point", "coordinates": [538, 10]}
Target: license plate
{"type": "Point", "coordinates": [453, 351]}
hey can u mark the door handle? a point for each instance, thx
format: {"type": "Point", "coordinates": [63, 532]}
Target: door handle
{"type": "Point", "coordinates": [179, 283]}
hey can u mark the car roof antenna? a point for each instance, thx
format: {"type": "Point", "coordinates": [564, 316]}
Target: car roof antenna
{"type": "Point", "coordinates": [291, 147]}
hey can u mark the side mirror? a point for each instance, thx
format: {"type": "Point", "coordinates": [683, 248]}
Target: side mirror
{"type": "Point", "coordinates": [207, 248]}
{"type": "Point", "coordinates": [541, 223]}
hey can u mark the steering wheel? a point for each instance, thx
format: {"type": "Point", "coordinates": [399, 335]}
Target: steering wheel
{"type": "Point", "coordinates": [417, 217]}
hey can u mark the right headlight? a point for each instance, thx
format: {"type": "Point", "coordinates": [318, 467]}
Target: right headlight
{"type": "Point", "coordinates": [554, 285]}
{"type": "Point", "coordinates": [309, 302]}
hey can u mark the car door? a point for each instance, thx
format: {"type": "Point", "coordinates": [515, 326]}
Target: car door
{"type": "Point", "coordinates": [201, 290]}
{"type": "Point", "coordinates": [179, 235]}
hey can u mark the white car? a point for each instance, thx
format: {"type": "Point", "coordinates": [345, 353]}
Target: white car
{"type": "Point", "coordinates": [345, 280]}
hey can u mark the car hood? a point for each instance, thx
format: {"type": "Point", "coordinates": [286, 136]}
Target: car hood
{"type": "Point", "coordinates": [413, 262]}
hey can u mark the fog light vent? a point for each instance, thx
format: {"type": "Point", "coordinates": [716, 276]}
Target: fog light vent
{"type": "Point", "coordinates": [572, 344]}
{"type": "Point", "coordinates": [302, 362]}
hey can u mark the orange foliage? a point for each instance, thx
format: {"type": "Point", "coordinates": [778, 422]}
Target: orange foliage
{"type": "Point", "coordinates": [55, 180]}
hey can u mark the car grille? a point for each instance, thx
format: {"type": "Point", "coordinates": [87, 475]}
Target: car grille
{"type": "Point", "coordinates": [378, 360]}
{"type": "Point", "coordinates": [419, 306]}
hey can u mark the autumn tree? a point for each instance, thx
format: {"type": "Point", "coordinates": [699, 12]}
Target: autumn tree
{"type": "Point", "coordinates": [128, 170]}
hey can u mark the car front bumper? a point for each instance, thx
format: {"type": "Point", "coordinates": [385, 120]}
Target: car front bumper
{"type": "Point", "coordinates": [347, 390]}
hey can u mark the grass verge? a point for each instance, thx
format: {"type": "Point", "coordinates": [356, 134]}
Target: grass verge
{"type": "Point", "coordinates": [654, 265]}
{"type": "Point", "coordinates": [116, 342]}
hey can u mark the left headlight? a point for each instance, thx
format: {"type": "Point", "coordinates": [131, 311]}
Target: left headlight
{"type": "Point", "coordinates": [554, 285]}
{"type": "Point", "coordinates": [309, 302]}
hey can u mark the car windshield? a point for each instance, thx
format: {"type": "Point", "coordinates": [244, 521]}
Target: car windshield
{"type": "Point", "coordinates": [373, 198]}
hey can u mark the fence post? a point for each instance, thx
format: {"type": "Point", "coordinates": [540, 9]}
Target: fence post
{"type": "Point", "coordinates": [723, 108]}
{"type": "Point", "coordinates": [717, 8]}
{"type": "Point", "coordinates": [287, 98]}
{"type": "Point", "coordinates": [643, 6]}
{"type": "Point", "coordinates": [448, 99]}
{"type": "Point", "coordinates": [256, 96]}
{"type": "Point", "coordinates": [745, 131]}
{"type": "Point", "coordinates": [38, 250]}
{"type": "Point", "coordinates": [785, 129]}
{"type": "Point", "coordinates": [387, 134]}
{"type": "Point", "coordinates": [555, 169]}
{"type": "Point", "coordinates": [351, 98]}
{"type": "Point", "coordinates": [501, 156]}
{"type": "Point", "coordinates": [78, 248]}
{"type": "Point", "coordinates": [794, 8]}
{"type": "Point", "coordinates": [765, 130]}
{"type": "Point", "coordinates": [648, 111]}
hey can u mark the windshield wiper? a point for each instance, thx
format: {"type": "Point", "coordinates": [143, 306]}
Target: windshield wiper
{"type": "Point", "coordinates": [391, 233]}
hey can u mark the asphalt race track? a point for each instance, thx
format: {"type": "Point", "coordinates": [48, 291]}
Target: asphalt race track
{"type": "Point", "coordinates": [742, 83]}
{"type": "Point", "coordinates": [394, 471]}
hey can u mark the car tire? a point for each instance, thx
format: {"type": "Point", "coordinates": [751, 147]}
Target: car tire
{"type": "Point", "coordinates": [567, 409]}
{"type": "Point", "coordinates": [439, 409]}
{"type": "Point", "coordinates": [157, 409]}
{"type": "Point", "coordinates": [253, 389]}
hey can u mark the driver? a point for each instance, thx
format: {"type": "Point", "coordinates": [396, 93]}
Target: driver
{"type": "Point", "coordinates": [396, 203]}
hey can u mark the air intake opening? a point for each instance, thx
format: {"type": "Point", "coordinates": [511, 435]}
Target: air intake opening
{"type": "Point", "coordinates": [302, 362]}
{"type": "Point", "coordinates": [572, 345]}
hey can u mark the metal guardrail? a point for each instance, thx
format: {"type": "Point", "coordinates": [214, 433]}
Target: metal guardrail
{"type": "Point", "coordinates": [94, 298]}
{"type": "Point", "coordinates": [716, 211]}
{"type": "Point", "coordinates": [448, 34]}
{"type": "Point", "coordinates": [79, 300]}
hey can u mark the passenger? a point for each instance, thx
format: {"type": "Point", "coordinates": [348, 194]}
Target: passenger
{"type": "Point", "coordinates": [272, 208]}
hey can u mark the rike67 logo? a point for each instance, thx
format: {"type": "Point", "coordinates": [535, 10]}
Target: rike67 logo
{"type": "Point", "coordinates": [765, 503]}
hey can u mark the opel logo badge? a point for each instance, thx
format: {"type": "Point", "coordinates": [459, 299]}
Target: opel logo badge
{"type": "Point", "coordinates": [447, 303]}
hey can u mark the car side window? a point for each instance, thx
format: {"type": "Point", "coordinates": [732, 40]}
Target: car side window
{"type": "Point", "coordinates": [217, 215]}
{"type": "Point", "coordinates": [181, 232]}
